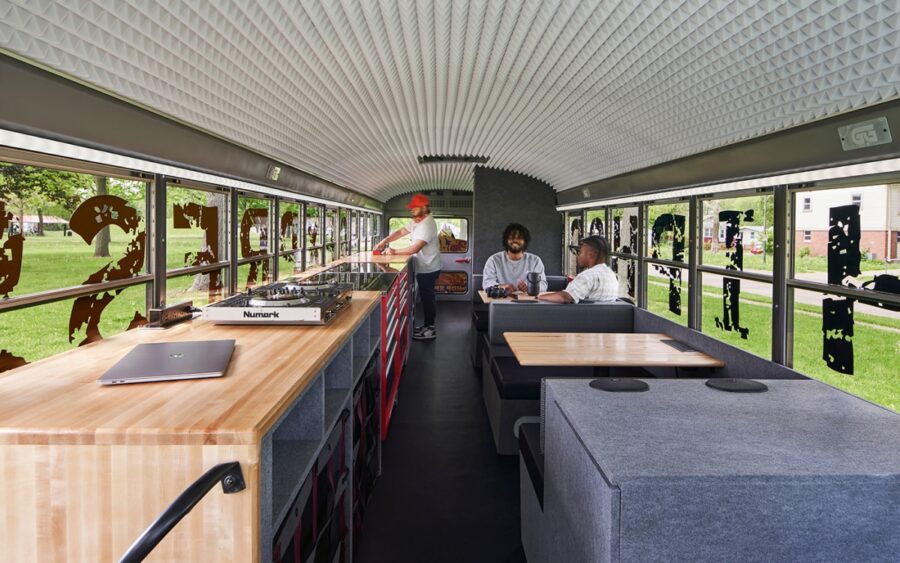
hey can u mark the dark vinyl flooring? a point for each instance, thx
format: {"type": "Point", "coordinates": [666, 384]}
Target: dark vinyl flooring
{"type": "Point", "coordinates": [444, 493]}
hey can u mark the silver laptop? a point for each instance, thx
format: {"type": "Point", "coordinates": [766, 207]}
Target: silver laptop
{"type": "Point", "coordinates": [168, 361]}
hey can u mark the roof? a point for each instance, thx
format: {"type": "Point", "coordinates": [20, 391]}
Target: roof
{"type": "Point", "coordinates": [568, 93]}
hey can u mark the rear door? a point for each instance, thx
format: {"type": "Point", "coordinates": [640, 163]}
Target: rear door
{"type": "Point", "coordinates": [455, 281]}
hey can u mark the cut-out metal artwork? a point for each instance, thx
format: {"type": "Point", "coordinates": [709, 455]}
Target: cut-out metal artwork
{"type": "Point", "coordinates": [843, 244]}
{"type": "Point", "coordinates": [837, 329]}
{"type": "Point", "coordinates": [259, 218]}
{"type": "Point", "coordinates": [676, 224]}
{"type": "Point", "coordinates": [731, 287]}
{"type": "Point", "coordinates": [885, 283]}
{"type": "Point", "coordinates": [596, 227]}
{"type": "Point", "coordinates": [844, 260]}
{"type": "Point", "coordinates": [617, 232]}
{"type": "Point", "coordinates": [10, 361]}
{"type": "Point", "coordinates": [10, 270]}
{"type": "Point", "coordinates": [206, 217]}
{"type": "Point", "coordinates": [93, 215]}
{"type": "Point", "coordinates": [290, 238]}
{"type": "Point", "coordinates": [10, 253]}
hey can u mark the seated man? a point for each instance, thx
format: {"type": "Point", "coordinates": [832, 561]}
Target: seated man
{"type": "Point", "coordinates": [596, 282]}
{"type": "Point", "coordinates": [509, 267]}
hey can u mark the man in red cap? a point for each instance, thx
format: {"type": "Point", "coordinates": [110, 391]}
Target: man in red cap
{"type": "Point", "coordinates": [426, 253]}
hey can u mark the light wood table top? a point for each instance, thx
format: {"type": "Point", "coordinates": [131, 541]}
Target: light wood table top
{"type": "Point", "coordinates": [519, 297]}
{"type": "Point", "coordinates": [604, 349]}
{"type": "Point", "coordinates": [58, 400]}
{"type": "Point", "coordinates": [399, 259]}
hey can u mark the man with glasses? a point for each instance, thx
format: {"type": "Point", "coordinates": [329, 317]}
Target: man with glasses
{"type": "Point", "coordinates": [509, 268]}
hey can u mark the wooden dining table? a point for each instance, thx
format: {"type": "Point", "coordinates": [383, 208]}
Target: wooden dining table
{"type": "Point", "coordinates": [605, 350]}
{"type": "Point", "coordinates": [517, 296]}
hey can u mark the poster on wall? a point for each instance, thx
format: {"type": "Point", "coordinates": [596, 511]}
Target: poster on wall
{"type": "Point", "coordinates": [452, 283]}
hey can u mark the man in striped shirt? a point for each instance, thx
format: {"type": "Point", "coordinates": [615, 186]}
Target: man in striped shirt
{"type": "Point", "coordinates": [596, 282]}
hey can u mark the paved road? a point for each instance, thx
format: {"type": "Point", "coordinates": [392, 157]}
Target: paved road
{"type": "Point", "coordinates": [808, 297]}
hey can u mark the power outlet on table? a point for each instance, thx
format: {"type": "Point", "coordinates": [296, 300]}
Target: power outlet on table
{"type": "Point", "coordinates": [167, 316]}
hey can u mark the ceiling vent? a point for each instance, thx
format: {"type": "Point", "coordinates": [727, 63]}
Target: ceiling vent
{"type": "Point", "coordinates": [430, 159]}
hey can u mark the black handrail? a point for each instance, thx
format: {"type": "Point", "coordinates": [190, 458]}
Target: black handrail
{"type": "Point", "coordinates": [232, 482]}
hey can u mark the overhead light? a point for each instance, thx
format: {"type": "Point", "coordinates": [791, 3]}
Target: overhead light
{"type": "Point", "coordinates": [835, 173]}
{"type": "Point", "coordinates": [76, 152]}
{"type": "Point", "coordinates": [465, 158]}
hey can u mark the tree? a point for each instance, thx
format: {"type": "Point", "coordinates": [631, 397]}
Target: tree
{"type": "Point", "coordinates": [101, 241]}
{"type": "Point", "coordinates": [29, 187]}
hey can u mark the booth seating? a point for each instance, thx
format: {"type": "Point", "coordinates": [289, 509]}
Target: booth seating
{"type": "Point", "coordinates": [811, 473]}
{"type": "Point", "coordinates": [531, 439]}
{"type": "Point", "coordinates": [480, 314]}
{"type": "Point", "coordinates": [511, 391]}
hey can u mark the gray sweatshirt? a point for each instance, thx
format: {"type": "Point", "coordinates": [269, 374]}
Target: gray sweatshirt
{"type": "Point", "coordinates": [499, 269]}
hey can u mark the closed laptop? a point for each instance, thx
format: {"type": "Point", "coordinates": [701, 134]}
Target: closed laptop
{"type": "Point", "coordinates": [167, 361]}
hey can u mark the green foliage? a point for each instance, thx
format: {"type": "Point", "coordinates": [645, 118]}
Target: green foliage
{"type": "Point", "coordinates": [28, 188]}
{"type": "Point", "coordinates": [804, 252]}
{"type": "Point", "coordinates": [876, 339]}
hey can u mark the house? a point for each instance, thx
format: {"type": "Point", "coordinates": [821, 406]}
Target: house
{"type": "Point", "coordinates": [879, 217]}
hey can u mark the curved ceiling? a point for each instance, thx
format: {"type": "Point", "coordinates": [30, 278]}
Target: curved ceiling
{"type": "Point", "coordinates": [567, 92]}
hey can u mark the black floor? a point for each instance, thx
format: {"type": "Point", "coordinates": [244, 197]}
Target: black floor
{"type": "Point", "coordinates": [444, 493]}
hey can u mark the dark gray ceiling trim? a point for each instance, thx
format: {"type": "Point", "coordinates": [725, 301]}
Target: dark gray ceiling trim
{"type": "Point", "coordinates": [38, 102]}
{"type": "Point", "coordinates": [807, 147]}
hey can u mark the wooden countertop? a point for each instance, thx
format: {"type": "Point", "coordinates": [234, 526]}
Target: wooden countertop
{"type": "Point", "coordinates": [58, 400]}
{"type": "Point", "coordinates": [375, 259]}
{"type": "Point", "coordinates": [603, 349]}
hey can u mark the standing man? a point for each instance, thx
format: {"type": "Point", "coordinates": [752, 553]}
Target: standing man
{"type": "Point", "coordinates": [508, 268]}
{"type": "Point", "coordinates": [427, 255]}
{"type": "Point", "coordinates": [597, 282]}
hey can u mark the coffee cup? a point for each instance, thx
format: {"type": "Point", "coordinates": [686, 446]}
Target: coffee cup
{"type": "Point", "coordinates": [533, 283]}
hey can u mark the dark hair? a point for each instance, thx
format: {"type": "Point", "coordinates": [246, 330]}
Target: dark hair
{"type": "Point", "coordinates": [516, 228]}
{"type": "Point", "coordinates": [599, 244]}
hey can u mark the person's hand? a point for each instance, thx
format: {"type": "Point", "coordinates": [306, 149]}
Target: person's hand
{"type": "Point", "coordinates": [388, 251]}
{"type": "Point", "coordinates": [508, 287]}
{"type": "Point", "coordinates": [522, 286]}
{"type": "Point", "coordinates": [380, 246]}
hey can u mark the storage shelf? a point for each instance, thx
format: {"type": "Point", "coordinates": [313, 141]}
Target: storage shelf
{"type": "Point", "coordinates": [292, 459]}
{"type": "Point", "coordinates": [334, 402]}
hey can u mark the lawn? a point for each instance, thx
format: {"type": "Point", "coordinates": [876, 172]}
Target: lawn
{"type": "Point", "coordinates": [53, 262]}
{"type": "Point", "coordinates": [876, 340]}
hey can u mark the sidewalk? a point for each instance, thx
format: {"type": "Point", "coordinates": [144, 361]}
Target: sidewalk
{"type": "Point", "coordinates": [803, 296]}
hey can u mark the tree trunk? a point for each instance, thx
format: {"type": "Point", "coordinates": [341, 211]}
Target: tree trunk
{"type": "Point", "coordinates": [714, 215]}
{"type": "Point", "coordinates": [101, 241]}
{"type": "Point", "coordinates": [40, 227]}
{"type": "Point", "coordinates": [22, 217]}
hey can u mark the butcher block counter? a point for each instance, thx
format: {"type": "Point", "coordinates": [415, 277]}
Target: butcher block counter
{"type": "Point", "coordinates": [85, 468]}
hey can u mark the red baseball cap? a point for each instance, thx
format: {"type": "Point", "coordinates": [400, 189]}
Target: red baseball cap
{"type": "Point", "coordinates": [418, 200]}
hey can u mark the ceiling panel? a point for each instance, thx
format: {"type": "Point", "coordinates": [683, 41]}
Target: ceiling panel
{"type": "Point", "coordinates": [567, 92]}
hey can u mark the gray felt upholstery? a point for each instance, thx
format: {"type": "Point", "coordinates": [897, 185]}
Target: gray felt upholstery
{"type": "Point", "coordinates": [738, 363]}
{"type": "Point", "coordinates": [803, 472]}
{"type": "Point", "coordinates": [552, 317]}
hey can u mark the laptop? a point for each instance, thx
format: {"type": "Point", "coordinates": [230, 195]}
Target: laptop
{"type": "Point", "coordinates": [169, 361]}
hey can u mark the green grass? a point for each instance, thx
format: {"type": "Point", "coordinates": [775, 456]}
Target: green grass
{"type": "Point", "coordinates": [53, 262]}
{"type": "Point", "coordinates": [876, 348]}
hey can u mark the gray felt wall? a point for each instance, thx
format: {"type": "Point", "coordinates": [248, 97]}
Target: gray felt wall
{"type": "Point", "coordinates": [505, 197]}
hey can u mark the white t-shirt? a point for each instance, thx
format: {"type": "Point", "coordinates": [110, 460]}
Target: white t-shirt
{"type": "Point", "coordinates": [428, 258]}
{"type": "Point", "coordinates": [599, 283]}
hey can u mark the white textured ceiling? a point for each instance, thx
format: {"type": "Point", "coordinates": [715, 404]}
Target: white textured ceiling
{"type": "Point", "coordinates": [568, 92]}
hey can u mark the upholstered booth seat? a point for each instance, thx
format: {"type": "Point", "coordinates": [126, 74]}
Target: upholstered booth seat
{"type": "Point", "coordinates": [533, 457]}
{"type": "Point", "coordinates": [515, 381]}
{"type": "Point", "coordinates": [481, 314]}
